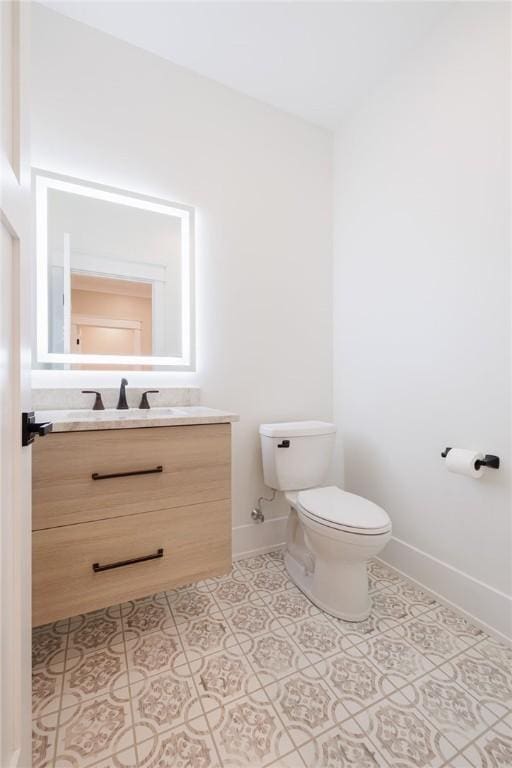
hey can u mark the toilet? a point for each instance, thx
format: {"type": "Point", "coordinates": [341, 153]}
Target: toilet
{"type": "Point", "coordinates": [331, 534]}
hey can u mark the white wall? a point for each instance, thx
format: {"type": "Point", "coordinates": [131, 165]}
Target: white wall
{"type": "Point", "coordinates": [421, 274]}
{"type": "Point", "coordinates": [261, 183]}
{"type": "Point", "coordinates": [421, 306]}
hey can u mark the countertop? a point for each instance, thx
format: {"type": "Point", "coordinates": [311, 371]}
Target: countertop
{"type": "Point", "coordinates": [80, 420]}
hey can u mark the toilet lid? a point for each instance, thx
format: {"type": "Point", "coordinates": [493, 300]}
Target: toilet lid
{"type": "Point", "coordinates": [340, 509]}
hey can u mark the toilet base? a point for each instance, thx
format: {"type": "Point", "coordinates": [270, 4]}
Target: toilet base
{"type": "Point", "coordinates": [304, 580]}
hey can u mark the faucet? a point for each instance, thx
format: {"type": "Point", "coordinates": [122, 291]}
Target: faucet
{"type": "Point", "coordinates": [98, 402]}
{"type": "Point", "coordinates": [122, 404]}
{"type": "Point", "coordinates": [144, 402]}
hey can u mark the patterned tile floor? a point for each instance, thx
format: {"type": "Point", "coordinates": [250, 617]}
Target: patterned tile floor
{"type": "Point", "coordinates": [244, 671]}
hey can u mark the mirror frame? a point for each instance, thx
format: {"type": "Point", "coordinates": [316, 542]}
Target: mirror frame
{"type": "Point", "coordinates": [46, 180]}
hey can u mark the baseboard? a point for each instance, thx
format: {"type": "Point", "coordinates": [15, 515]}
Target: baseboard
{"type": "Point", "coordinates": [480, 603]}
{"type": "Point", "coordinates": [256, 538]}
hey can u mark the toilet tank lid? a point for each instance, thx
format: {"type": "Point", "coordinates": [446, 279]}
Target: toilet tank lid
{"type": "Point", "coordinates": [297, 428]}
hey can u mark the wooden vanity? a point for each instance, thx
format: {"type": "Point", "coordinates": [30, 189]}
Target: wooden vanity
{"type": "Point", "coordinates": [119, 514]}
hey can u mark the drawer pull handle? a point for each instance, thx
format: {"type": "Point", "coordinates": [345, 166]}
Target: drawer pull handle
{"type": "Point", "coordinates": [96, 476]}
{"type": "Point", "coordinates": [97, 567]}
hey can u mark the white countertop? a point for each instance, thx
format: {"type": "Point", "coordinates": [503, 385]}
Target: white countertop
{"type": "Point", "coordinates": [84, 419]}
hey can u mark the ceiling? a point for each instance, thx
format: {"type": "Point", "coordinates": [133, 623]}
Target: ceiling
{"type": "Point", "coordinates": [315, 60]}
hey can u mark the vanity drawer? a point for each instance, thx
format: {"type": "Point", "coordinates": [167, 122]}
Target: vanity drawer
{"type": "Point", "coordinates": [194, 461]}
{"type": "Point", "coordinates": [196, 543]}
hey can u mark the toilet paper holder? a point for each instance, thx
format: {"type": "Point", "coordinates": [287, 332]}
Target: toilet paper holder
{"type": "Point", "coordinates": [491, 461]}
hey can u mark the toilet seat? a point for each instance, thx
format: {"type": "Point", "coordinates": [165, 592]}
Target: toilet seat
{"type": "Point", "coordinates": [334, 508]}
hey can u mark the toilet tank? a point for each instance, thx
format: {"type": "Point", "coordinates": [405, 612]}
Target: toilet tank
{"type": "Point", "coordinates": [296, 454]}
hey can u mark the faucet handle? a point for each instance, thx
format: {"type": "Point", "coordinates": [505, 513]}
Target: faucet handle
{"type": "Point", "coordinates": [98, 402]}
{"type": "Point", "coordinates": [144, 403]}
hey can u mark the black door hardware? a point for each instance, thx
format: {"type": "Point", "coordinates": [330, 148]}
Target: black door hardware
{"type": "Point", "coordinates": [30, 428]}
{"type": "Point", "coordinates": [98, 402]}
{"type": "Point", "coordinates": [284, 444]}
{"type": "Point", "coordinates": [96, 476]}
{"type": "Point", "coordinates": [144, 399]}
{"type": "Point", "coordinates": [489, 460]}
{"type": "Point", "coordinates": [121, 563]}
{"type": "Point", "coordinates": [122, 404]}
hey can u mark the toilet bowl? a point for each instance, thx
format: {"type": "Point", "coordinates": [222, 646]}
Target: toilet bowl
{"type": "Point", "coordinates": [340, 533]}
{"type": "Point", "coordinates": [331, 534]}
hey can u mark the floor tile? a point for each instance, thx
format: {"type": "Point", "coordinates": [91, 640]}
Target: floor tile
{"type": "Point", "coordinates": [46, 690]}
{"type": "Point", "coordinates": [404, 736]}
{"type": "Point", "coordinates": [431, 639]}
{"type": "Point", "coordinates": [233, 573]}
{"type": "Point", "coordinates": [343, 746]}
{"type": "Point", "coordinates": [256, 564]}
{"type": "Point", "coordinates": [291, 760]}
{"type": "Point", "coordinates": [162, 702]}
{"type": "Point", "coordinates": [243, 670]}
{"type": "Point", "coordinates": [355, 680]}
{"type": "Point", "coordinates": [399, 661]}
{"type": "Point", "coordinates": [49, 645]}
{"type": "Point", "coordinates": [91, 674]}
{"type": "Point", "coordinates": [58, 627]}
{"type": "Point", "coordinates": [381, 576]}
{"type": "Point", "coordinates": [249, 732]}
{"type": "Point", "coordinates": [154, 653]}
{"type": "Point", "coordinates": [143, 617]}
{"type": "Point", "coordinates": [93, 730]}
{"type": "Point", "coordinates": [307, 706]}
{"type": "Point", "coordinates": [487, 681]}
{"type": "Point", "coordinates": [189, 745]}
{"type": "Point", "coordinates": [126, 758]}
{"type": "Point", "coordinates": [232, 592]}
{"type": "Point", "coordinates": [491, 750]}
{"type": "Point", "coordinates": [191, 603]}
{"type": "Point", "coordinates": [392, 606]}
{"type": "Point", "coordinates": [269, 581]}
{"type": "Point", "coordinates": [419, 600]}
{"type": "Point", "coordinates": [44, 734]}
{"type": "Point", "coordinates": [450, 708]}
{"type": "Point", "coordinates": [290, 605]}
{"type": "Point", "coordinates": [248, 620]}
{"type": "Point", "coordinates": [204, 635]}
{"type": "Point", "coordinates": [274, 656]}
{"type": "Point", "coordinates": [96, 630]}
{"type": "Point", "coordinates": [316, 637]}
{"type": "Point", "coordinates": [496, 652]}
{"type": "Point", "coordinates": [223, 677]}
{"type": "Point", "coordinates": [457, 625]}
{"type": "Point", "coordinates": [355, 631]}
{"type": "Point", "coordinates": [276, 557]}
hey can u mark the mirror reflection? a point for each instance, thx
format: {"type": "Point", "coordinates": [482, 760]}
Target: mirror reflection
{"type": "Point", "coordinates": [118, 279]}
{"type": "Point", "coordinates": [110, 316]}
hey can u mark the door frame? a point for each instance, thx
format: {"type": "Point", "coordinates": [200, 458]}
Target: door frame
{"type": "Point", "coordinates": [15, 522]}
{"type": "Point", "coordinates": [96, 321]}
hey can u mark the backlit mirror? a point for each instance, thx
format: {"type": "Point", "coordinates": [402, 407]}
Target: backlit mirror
{"type": "Point", "coordinates": [114, 277]}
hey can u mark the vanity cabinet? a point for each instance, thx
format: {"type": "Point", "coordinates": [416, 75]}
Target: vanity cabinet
{"type": "Point", "coordinates": [119, 514]}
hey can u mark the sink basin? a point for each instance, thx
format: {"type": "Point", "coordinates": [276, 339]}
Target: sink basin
{"type": "Point", "coordinates": [111, 414]}
{"type": "Point", "coordinates": [83, 419]}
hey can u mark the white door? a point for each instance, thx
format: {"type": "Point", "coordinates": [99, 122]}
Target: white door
{"type": "Point", "coordinates": [15, 323]}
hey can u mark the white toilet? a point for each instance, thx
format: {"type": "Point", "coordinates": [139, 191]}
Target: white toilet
{"type": "Point", "coordinates": [331, 534]}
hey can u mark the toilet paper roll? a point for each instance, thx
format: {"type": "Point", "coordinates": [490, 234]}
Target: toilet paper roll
{"type": "Point", "coordinates": [462, 461]}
